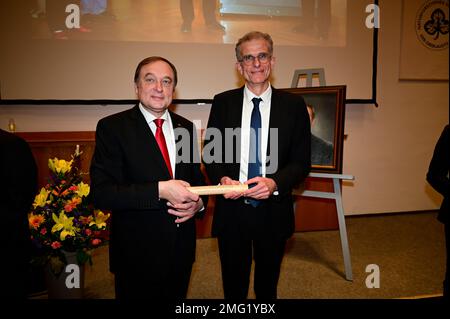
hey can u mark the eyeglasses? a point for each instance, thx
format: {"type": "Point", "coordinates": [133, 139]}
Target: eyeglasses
{"type": "Point", "coordinates": [249, 59]}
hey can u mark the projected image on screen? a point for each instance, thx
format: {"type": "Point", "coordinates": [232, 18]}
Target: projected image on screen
{"type": "Point", "coordinates": [43, 59]}
{"type": "Point", "coordinates": [290, 22]}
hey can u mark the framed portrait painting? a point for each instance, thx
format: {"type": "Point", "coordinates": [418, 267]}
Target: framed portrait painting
{"type": "Point", "coordinates": [326, 108]}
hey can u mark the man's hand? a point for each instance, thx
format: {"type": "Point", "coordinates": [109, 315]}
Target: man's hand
{"type": "Point", "coordinates": [184, 211]}
{"type": "Point", "coordinates": [228, 181]}
{"type": "Point", "coordinates": [175, 192]}
{"type": "Point", "coordinates": [262, 190]}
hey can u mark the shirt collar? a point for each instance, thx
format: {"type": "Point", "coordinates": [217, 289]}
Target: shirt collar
{"type": "Point", "coordinates": [266, 96]}
{"type": "Point", "coordinates": [149, 117]}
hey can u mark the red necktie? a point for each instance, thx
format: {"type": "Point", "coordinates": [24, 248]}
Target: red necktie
{"type": "Point", "coordinates": [160, 139]}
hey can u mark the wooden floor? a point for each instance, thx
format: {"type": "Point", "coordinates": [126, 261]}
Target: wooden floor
{"type": "Point", "coordinates": [160, 21]}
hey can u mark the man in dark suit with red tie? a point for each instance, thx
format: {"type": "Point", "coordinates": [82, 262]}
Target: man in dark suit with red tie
{"type": "Point", "coordinates": [272, 154]}
{"type": "Point", "coordinates": [139, 175]}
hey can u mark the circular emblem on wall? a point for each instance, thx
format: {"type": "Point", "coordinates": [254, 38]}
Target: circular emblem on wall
{"type": "Point", "coordinates": [432, 23]}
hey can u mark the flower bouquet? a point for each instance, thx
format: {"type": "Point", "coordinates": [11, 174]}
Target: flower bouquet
{"type": "Point", "coordinates": [62, 220]}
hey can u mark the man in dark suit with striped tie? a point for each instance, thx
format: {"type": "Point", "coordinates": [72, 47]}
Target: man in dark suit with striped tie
{"type": "Point", "coordinates": [272, 154]}
{"type": "Point", "coordinates": [139, 175]}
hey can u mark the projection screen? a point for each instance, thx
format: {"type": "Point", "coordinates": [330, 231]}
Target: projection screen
{"type": "Point", "coordinates": [96, 59]}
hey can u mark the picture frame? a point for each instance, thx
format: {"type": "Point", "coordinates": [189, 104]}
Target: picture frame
{"type": "Point", "coordinates": [327, 125]}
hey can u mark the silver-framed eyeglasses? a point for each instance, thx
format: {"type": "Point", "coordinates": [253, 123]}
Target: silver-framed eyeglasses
{"type": "Point", "coordinates": [250, 59]}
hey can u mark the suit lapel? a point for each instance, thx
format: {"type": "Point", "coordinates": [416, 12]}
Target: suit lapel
{"type": "Point", "coordinates": [176, 124]}
{"type": "Point", "coordinates": [234, 114]}
{"type": "Point", "coordinates": [145, 135]}
{"type": "Point", "coordinates": [276, 114]}
{"type": "Point", "coordinates": [234, 109]}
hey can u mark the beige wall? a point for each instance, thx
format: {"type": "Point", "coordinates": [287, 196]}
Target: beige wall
{"type": "Point", "coordinates": [387, 150]}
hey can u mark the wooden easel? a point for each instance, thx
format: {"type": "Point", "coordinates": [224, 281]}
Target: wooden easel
{"type": "Point", "coordinates": [336, 194]}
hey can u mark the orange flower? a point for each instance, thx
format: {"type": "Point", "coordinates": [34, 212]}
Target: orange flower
{"type": "Point", "coordinates": [71, 204]}
{"type": "Point", "coordinates": [85, 220]}
{"type": "Point", "coordinates": [35, 220]}
{"type": "Point", "coordinates": [61, 217]}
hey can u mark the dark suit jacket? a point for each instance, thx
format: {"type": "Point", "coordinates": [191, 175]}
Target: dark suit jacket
{"type": "Point", "coordinates": [321, 151]}
{"type": "Point", "coordinates": [438, 173]}
{"type": "Point", "coordinates": [18, 188]}
{"type": "Point", "coordinates": [289, 115]}
{"type": "Point", "coordinates": [126, 168]}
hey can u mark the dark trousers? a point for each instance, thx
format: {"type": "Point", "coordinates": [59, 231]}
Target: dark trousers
{"type": "Point", "coordinates": [138, 284]}
{"type": "Point", "coordinates": [236, 251]}
{"type": "Point", "coordinates": [209, 11]}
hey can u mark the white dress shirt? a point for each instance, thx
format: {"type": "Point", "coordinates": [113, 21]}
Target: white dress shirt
{"type": "Point", "coordinates": [247, 108]}
{"type": "Point", "coordinates": [167, 130]}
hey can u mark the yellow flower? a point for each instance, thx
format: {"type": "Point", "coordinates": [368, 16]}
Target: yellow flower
{"type": "Point", "coordinates": [83, 189]}
{"type": "Point", "coordinates": [59, 166]}
{"type": "Point", "coordinates": [35, 220]}
{"type": "Point", "coordinates": [100, 219]}
{"type": "Point", "coordinates": [63, 223]}
{"type": "Point", "coordinates": [41, 198]}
